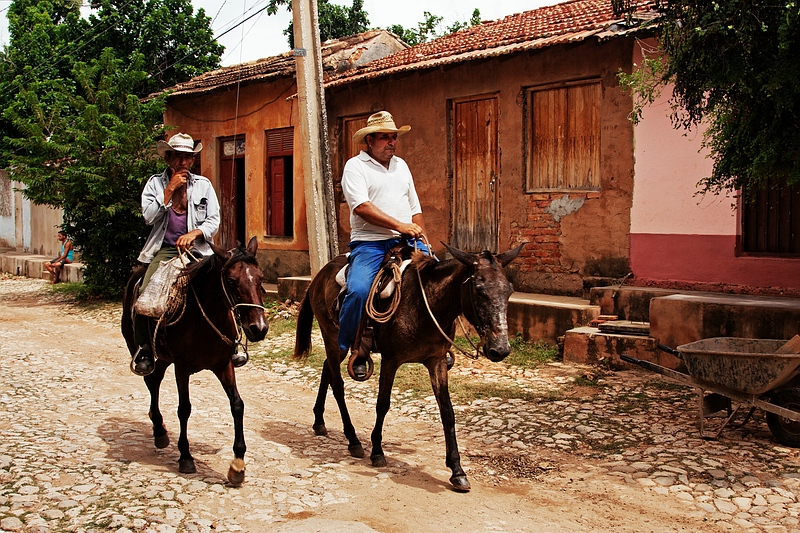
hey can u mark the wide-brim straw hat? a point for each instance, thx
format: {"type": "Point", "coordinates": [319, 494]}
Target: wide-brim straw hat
{"type": "Point", "coordinates": [179, 142]}
{"type": "Point", "coordinates": [380, 122]}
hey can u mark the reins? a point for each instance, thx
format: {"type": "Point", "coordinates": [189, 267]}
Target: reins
{"type": "Point", "coordinates": [463, 329]}
{"type": "Point", "coordinates": [391, 268]}
{"type": "Point", "coordinates": [233, 309]}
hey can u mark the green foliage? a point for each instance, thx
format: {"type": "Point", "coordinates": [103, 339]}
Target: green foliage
{"type": "Point", "coordinates": [334, 21]}
{"type": "Point", "coordinates": [426, 30]}
{"type": "Point", "coordinates": [734, 67]}
{"type": "Point", "coordinates": [338, 21]}
{"type": "Point", "coordinates": [74, 129]}
{"type": "Point", "coordinates": [88, 149]}
{"type": "Point", "coordinates": [176, 43]}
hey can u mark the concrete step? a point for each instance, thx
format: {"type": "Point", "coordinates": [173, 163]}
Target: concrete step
{"type": "Point", "coordinates": [682, 318]}
{"type": "Point", "coordinates": [546, 317]}
{"type": "Point", "coordinates": [293, 288]}
{"type": "Point", "coordinates": [590, 346]}
{"type": "Point", "coordinates": [32, 266]}
{"type": "Point", "coordinates": [270, 290]}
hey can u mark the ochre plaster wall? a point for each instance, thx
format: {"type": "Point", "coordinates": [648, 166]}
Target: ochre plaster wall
{"type": "Point", "coordinates": [250, 111]}
{"type": "Point", "coordinates": [591, 241]}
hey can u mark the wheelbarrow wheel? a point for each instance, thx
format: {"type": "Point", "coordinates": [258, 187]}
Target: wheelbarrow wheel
{"type": "Point", "coordinates": [785, 430]}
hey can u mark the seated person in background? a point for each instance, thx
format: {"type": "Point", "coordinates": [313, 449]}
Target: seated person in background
{"type": "Point", "coordinates": [67, 253]}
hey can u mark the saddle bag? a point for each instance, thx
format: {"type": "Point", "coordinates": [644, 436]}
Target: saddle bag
{"type": "Point", "coordinates": [163, 289]}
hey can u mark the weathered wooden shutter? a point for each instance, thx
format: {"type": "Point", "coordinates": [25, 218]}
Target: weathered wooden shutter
{"type": "Point", "coordinates": [565, 138]}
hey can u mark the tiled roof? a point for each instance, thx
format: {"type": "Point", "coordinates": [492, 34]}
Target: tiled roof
{"type": "Point", "coordinates": [570, 21]}
{"type": "Point", "coordinates": [334, 54]}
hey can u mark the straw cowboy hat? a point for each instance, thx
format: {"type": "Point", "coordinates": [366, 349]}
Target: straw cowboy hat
{"type": "Point", "coordinates": [380, 122]}
{"type": "Point", "coordinates": [179, 142]}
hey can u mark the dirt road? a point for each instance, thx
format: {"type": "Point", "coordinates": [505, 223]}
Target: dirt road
{"type": "Point", "coordinates": [76, 452]}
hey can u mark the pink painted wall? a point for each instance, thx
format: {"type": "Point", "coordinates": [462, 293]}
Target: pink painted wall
{"type": "Point", "coordinates": [677, 234]}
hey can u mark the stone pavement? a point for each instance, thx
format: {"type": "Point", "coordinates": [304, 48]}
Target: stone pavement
{"type": "Point", "coordinates": [630, 429]}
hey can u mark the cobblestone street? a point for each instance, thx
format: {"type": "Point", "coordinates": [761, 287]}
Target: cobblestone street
{"type": "Point", "coordinates": [584, 450]}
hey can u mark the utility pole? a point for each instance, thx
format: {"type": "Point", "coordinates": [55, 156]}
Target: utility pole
{"type": "Point", "coordinates": [313, 123]}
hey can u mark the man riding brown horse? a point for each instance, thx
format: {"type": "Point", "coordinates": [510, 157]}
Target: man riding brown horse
{"type": "Point", "coordinates": [184, 211]}
{"type": "Point", "coordinates": [383, 203]}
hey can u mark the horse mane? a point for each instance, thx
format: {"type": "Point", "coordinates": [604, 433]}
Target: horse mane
{"type": "Point", "coordinates": [211, 262]}
{"type": "Point", "coordinates": [204, 265]}
{"type": "Point", "coordinates": [422, 260]}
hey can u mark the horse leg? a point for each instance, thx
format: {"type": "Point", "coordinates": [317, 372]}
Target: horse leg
{"type": "Point", "coordinates": [186, 461]}
{"type": "Point", "coordinates": [228, 380]}
{"type": "Point", "coordinates": [153, 382]}
{"type": "Point", "coordinates": [437, 368]}
{"type": "Point", "coordinates": [337, 385]}
{"type": "Point", "coordinates": [319, 404]}
{"type": "Point", "coordinates": [388, 372]}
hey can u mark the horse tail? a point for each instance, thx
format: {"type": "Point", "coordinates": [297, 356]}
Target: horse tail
{"type": "Point", "coordinates": [305, 320]}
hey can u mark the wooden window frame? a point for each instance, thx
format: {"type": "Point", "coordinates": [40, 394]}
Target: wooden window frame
{"type": "Point", "coordinates": [578, 178]}
{"type": "Point", "coordinates": [279, 143]}
{"type": "Point", "coordinates": [770, 223]}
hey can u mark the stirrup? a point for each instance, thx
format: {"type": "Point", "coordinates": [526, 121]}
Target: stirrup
{"type": "Point", "coordinates": [239, 359]}
{"type": "Point", "coordinates": [368, 363]}
{"type": "Point", "coordinates": [142, 353]}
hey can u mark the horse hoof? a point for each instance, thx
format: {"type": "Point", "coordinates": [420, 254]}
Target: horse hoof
{"type": "Point", "coordinates": [236, 472]}
{"type": "Point", "coordinates": [161, 441]}
{"type": "Point", "coordinates": [320, 430]}
{"type": "Point", "coordinates": [460, 483]}
{"type": "Point", "coordinates": [378, 461]}
{"type": "Point", "coordinates": [356, 451]}
{"type": "Point", "coordinates": [186, 466]}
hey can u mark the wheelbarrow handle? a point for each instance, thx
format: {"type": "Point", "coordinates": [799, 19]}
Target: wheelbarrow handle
{"type": "Point", "coordinates": [671, 351]}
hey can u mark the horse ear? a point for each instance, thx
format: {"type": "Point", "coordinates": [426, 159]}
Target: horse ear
{"type": "Point", "coordinates": [506, 257]}
{"type": "Point", "coordinates": [252, 246]}
{"type": "Point", "coordinates": [218, 251]}
{"type": "Point", "coordinates": [465, 257]}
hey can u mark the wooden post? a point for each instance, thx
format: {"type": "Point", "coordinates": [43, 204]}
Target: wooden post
{"type": "Point", "coordinates": [313, 123]}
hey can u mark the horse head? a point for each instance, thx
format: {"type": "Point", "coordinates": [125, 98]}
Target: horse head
{"type": "Point", "coordinates": [484, 297]}
{"type": "Point", "coordinates": [241, 281]}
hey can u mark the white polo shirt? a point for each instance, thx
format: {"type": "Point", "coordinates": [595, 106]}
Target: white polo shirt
{"type": "Point", "coordinates": [390, 190]}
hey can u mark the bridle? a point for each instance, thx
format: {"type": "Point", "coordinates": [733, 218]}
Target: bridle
{"type": "Point", "coordinates": [480, 328]}
{"type": "Point", "coordinates": [233, 308]}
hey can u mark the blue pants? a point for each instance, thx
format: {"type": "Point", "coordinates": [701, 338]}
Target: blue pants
{"type": "Point", "coordinates": [365, 262]}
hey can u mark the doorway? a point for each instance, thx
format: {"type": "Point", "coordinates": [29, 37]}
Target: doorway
{"type": "Point", "coordinates": [232, 192]}
{"type": "Point", "coordinates": [475, 165]}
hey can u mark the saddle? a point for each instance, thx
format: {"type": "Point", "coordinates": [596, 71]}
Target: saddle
{"type": "Point", "coordinates": [396, 260]}
{"type": "Point", "coordinates": [399, 254]}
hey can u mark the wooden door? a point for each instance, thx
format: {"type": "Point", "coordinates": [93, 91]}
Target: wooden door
{"type": "Point", "coordinates": [231, 193]}
{"type": "Point", "coordinates": [475, 174]}
{"type": "Point", "coordinates": [277, 196]}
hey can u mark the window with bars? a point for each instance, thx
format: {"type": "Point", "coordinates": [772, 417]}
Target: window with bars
{"type": "Point", "coordinates": [771, 221]}
{"type": "Point", "coordinates": [564, 138]}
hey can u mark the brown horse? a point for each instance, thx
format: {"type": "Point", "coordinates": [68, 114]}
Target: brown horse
{"type": "Point", "coordinates": [223, 289]}
{"type": "Point", "coordinates": [472, 284]}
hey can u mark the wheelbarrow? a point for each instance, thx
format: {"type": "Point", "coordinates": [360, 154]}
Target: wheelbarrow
{"type": "Point", "coordinates": [751, 372]}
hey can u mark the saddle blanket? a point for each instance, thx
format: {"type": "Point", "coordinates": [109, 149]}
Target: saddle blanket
{"type": "Point", "coordinates": [341, 279]}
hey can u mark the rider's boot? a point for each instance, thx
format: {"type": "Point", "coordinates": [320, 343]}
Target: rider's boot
{"type": "Point", "coordinates": [239, 359]}
{"type": "Point", "coordinates": [360, 364]}
{"type": "Point", "coordinates": [143, 362]}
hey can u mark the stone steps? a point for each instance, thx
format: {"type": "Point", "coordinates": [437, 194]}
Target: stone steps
{"type": "Point", "coordinates": [32, 266]}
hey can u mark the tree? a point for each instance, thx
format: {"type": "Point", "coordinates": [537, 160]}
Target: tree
{"type": "Point", "coordinates": [75, 130]}
{"type": "Point", "coordinates": [88, 150]}
{"type": "Point", "coordinates": [426, 30]}
{"type": "Point", "coordinates": [177, 44]}
{"type": "Point", "coordinates": [734, 68]}
{"type": "Point", "coordinates": [334, 21]}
